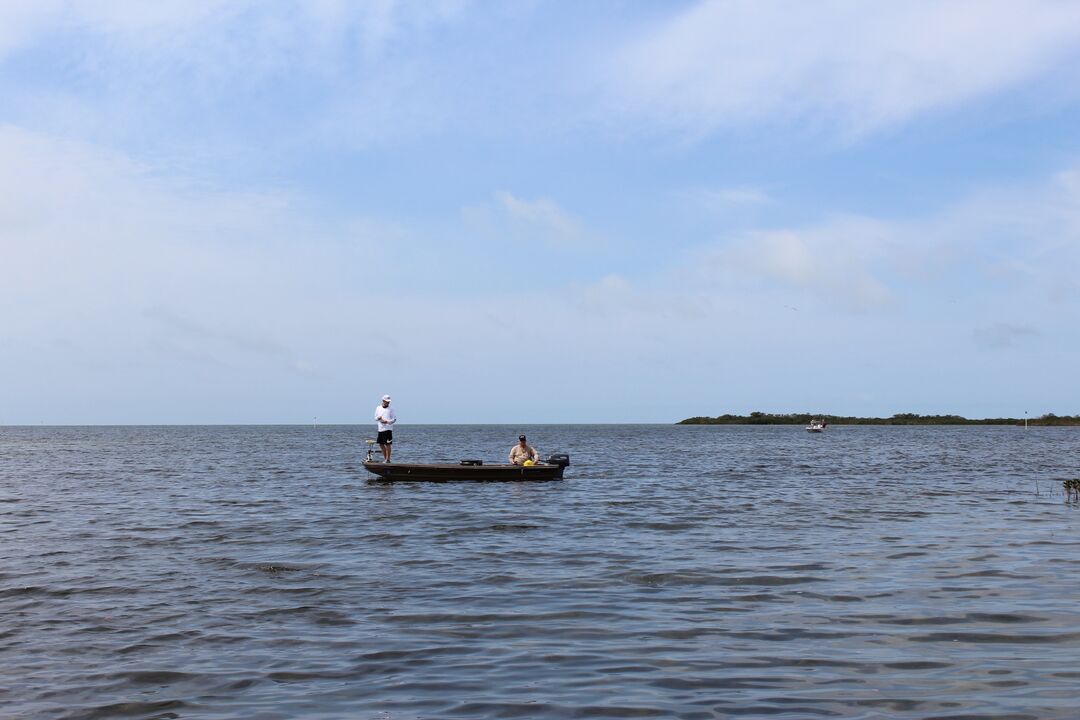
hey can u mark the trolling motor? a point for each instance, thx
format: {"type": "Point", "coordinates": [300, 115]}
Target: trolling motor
{"type": "Point", "coordinates": [558, 459]}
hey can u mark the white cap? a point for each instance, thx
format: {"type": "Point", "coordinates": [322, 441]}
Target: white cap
{"type": "Point", "coordinates": [386, 398]}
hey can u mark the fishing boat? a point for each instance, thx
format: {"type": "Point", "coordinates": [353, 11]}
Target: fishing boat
{"type": "Point", "coordinates": [470, 470]}
{"type": "Point", "coordinates": [817, 426]}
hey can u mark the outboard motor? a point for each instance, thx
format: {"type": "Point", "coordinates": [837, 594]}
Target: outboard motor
{"type": "Point", "coordinates": [558, 459]}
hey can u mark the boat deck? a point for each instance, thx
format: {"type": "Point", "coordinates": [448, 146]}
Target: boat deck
{"type": "Point", "coordinates": [456, 472]}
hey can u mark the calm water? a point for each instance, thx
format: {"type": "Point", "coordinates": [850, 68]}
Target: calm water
{"type": "Point", "coordinates": [689, 572]}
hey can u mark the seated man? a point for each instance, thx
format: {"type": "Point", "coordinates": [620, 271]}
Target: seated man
{"type": "Point", "coordinates": [522, 452]}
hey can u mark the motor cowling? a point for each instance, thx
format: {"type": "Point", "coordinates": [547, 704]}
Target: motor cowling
{"type": "Point", "coordinates": [558, 459]}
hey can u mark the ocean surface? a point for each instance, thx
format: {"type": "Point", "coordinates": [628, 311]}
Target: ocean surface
{"type": "Point", "coordinates": [677, 572]}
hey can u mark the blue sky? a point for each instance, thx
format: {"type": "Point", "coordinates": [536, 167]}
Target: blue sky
{"type": "Point", "coordinates": [537, 211]}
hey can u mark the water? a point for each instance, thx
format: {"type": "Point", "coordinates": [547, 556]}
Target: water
{"type": "Point", "coordinates": [686, 572]}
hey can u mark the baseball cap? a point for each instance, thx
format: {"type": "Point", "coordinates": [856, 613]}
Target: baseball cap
{"type": "Point", "coordinates": [386, 397]}
{"type": "Point", "coordinates": [521, 437]}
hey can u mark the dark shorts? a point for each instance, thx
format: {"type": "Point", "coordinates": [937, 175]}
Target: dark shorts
{"type": "Point", "coordinates": [386, 437]}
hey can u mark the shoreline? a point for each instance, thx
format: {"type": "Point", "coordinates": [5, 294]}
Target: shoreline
{"type": "Point", "coordinates": [760, 418]}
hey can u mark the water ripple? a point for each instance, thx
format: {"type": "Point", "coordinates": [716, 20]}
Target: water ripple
{"type": "Point", "coordinates": [247, 572]}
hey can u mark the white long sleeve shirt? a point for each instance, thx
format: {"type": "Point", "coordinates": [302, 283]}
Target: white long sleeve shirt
{"type": "Point", "coordinates": [385, 417]}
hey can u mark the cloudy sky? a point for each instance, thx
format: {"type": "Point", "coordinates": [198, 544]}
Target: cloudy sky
{"type": "Point", "coordinates": [613, 211]}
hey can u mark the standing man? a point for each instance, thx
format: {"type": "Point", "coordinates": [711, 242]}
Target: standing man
{"type": "Point", "coordinates": [385, 417]}
{"type": "Point", "coordinates": [523, 452]}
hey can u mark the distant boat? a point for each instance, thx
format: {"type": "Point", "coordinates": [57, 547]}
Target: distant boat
{"type": "Point", "coordinates": [817, 426]}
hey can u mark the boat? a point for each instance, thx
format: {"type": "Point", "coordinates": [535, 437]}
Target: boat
{"type": "Point", "coordinates": [817, 426]}
{"type": "Point", "coordinates": [470, 471]}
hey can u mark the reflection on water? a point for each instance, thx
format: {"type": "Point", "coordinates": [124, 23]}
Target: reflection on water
{"type": "Point", "coordinates": [690, 572]}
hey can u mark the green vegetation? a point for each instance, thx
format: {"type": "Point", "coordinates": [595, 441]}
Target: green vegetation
{"type": "Point", "coordinates": [1072, 489]}
{"type": "Point", "coordinates": [760, 418]}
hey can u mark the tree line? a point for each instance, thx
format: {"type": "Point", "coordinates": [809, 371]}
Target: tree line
{"type": "Point", "coordinates": [762, 418]}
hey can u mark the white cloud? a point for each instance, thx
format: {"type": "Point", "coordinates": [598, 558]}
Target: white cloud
{"type": "Point", "coordinates": [174, 28]}
{"type": "Point", "coordinates": [371, 73]}
{"type": "Point", "coordinates": [999, 253]}
{"type": "Point", "coordinates": [540, 224]}
{"type": "Point", "coordinates": [96, 251]}
{"type": "Point", "coordinates": [839, 263]}
{"type": "Point", "coordinates": [721, 199]}
{"type": "Point", "coordinates": [856, 67]}
{"type": "Point", "coordinates": [542, 215]}
{"type": "Point", "coordinates": [184, 76]}
{"type": "Point", "coordinates": [22, 23]}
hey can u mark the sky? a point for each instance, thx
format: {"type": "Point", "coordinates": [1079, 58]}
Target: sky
{"type": "Point", "coordinates": [537, 211]}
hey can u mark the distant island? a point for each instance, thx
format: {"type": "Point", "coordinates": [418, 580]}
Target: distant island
{"type": "Point", "coordinates": [761, 418]}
